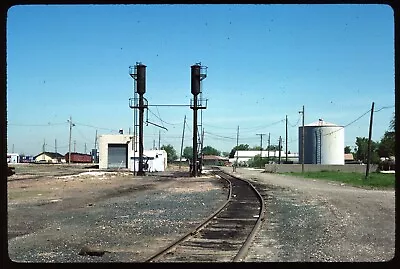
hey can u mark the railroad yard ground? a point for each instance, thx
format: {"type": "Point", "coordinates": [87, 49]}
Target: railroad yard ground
{"type": "Point", "coordinates": [316, 220]}
{"type": "Point", "coordinates": [53, 214]}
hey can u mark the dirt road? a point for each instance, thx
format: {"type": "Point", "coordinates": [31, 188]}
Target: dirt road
{"type": "Point", "coordinates": [313, 220]}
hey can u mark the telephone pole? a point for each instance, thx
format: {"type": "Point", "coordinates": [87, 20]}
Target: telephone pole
{"type": "Point", "coordinates": [55, 145]}
{"type": "Point", "coordinates": [286, 139]}
{"type": "Point", "coordinates": [85, 148]}
{"type": "Point", "coordinates": [279, 148]}
{"type": "Point", "coordinates": [70, 135]}
{"type": "Point", "coordinates": [74, 145]}
{"type": "Point", "coordinates": [13, 148]}
{"type": "Point", "coordinates": [183, 135]}
{"type": "Point", "coordinates": [369, 141]}
{"type": "Point", "coordinates": [261, 135]}
{"type": "Point", "coordinates": [159, 139]}
{"type": "Point", "coordinates": [269, 143]}
{"type": "Point", "coordinates": [95, 141]}
{"type": "Point", "coordinates": [302, 141]}
{"type": "Point", "coordinates": [154, 144]}
{"type": "Point", "coordinates": [236, 151]}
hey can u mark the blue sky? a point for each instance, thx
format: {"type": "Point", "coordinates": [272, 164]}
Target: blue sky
{"type": "Point", "coordinates": [264, 62]}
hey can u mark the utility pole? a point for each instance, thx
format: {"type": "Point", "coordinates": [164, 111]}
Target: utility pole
{"type": "Point", "coordinates": [202, 155]}
{"type": "Point", "coordinates": [85, 148]}
{"type": "Point", "coordinates": [302, 141]}
{"type": "Point", "coordinates": [286, 139]}
{"type": "Point", "coordinates": [44, 149]}
{"type": "Point", "coordinates": [74, 145]}
{"type": "Point", "coordinates": [369, 141]}
{"type": "Point", "coordinates": [13, 148]}
{"type": "Point", "coordinates": [269, 144]}
{"type": "Point", "coordinates": [261, 135]}
{"type": "Point", "coordinates": [70, 135]}
{"type": "Point", "coordinates": [183, 135]}
{"type": "Point", "coordinates": [95, 141]}
{"type": "Point", "coordinates": [154, 144]}
{"type": "Point", "coordinates": [279, 148]}
{"type": "Point", "coordinates": [55, 145]}
{"type": "Point", "coordinates": [159, 139]}
{"type": "Point", "coordinates": [236, 151]}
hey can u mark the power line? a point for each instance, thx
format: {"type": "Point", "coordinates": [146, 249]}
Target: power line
{"type": "Point", "coordinates": [296, 123]}
{"type": "Point", "coordinates": [38, 125]}
{"type": "Point", "coordinates": [161, 119]}
{"type": "Point", "coordinates": [385, 107]}
{"type": "Point", "coordinates": [220, 136]}
{"type": "Point", "coordinates": [87, 125]}
{"type": "Point", "coordinates": [369, 110]}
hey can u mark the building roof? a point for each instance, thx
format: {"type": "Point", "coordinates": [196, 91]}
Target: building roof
{"type": "Point", "coordinates": [252, 153]}
{"type": "Point", "coordinates": [321, 122]}
{"type": "Point", "coordinates": [348, 157]}
{"type": "Point", "coordinates": [53, 155]}
{"type": "Point", "coordinates": [214, 157]}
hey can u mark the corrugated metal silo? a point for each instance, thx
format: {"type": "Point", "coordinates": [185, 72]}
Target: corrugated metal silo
{"type": "Point", "coordinates": [323, 143]}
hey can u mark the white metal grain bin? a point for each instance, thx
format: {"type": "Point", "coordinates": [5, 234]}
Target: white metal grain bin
{"type": "Point", "coordinates": [323, 143]}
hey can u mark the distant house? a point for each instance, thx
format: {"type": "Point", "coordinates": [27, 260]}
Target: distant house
{"type": "Point", "coordinates": [49, 157]}
{"type": "Point", "coordinates": [214, 160]}
{"type": "Point", "coordinates": [348, 157]}
{"type": "Point", "coordinates": [243, 156]}
{"type": "Point", "coordinates": [13, 158]}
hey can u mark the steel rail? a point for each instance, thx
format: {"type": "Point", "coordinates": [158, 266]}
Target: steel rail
{"type": "Point", "coordinates": [245, 247]}
{"type": "Point", "coordinates": [195, 230]}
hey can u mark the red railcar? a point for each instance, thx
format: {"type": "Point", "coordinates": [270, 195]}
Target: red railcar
{"type": "Point", "coordinates": [78, 158]}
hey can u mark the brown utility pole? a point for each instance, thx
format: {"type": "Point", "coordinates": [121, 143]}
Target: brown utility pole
{"type": "Point", "coordinates": [183, 135]}
{"type": "Point", "coordinates": [369, 141]}
{"type": "Point", "coordinates": [302, 141]}
{"type": "Point", "coordinates": [261, 149]}
{"type": "Point", "coordinates": [279, 148]}
{"type": "Point", "coordinates": [286, 139]}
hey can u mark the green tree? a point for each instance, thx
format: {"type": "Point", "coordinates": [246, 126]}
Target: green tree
{"type": "Point", "coordinates": [273, 147]}
{"type": "Point", "coordinates": [362, 150]}
{"type": "Point", "coordinates": [257, 161]}
{"type": "Point", "coordinates": [256, 148]}
{"type": "Point", "coordinates": [347, 149]}
{"type": "Point", "coordinates": [225, 154]}
{"type": "Point", "coordinates": [240, 147]}
{"type": "Point", "coordinates": [208, 150]}
{"type": "Point", "coordinates": [392, 124]}
{"type": "Point", "coordinates": [387, 144]}
{"type": "Point", "coordinates": [188, 153]}
{"type": "Point", "coordinates": [171, 153]}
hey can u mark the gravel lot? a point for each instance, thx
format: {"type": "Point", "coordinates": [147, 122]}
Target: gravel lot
{"type": "Point", "coordinates": [311, 220]}
{"type": "Point", "coordinates": [51, 217]}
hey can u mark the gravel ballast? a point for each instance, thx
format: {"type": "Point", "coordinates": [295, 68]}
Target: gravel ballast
{"type": "Point", "coordinates": [127, 223]}
{"type": "Point", "coordinates": [315, 221]}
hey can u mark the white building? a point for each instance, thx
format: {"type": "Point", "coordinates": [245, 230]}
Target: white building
{"type": "Point", "coordinates": [155, 161]}
{"type": "Point", "coordinates": [243, 156]}
{"type": "Point", "coordinates": [13, 158]}
{"type": "Point", "coordinates": [49, 157]}
{"type": "Point", "coordinates": [115, 150]}
{"type": "Point", "coordinates": [118, 151]}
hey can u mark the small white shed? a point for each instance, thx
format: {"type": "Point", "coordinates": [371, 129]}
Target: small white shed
{"type": "Point", "coordinates": [155, 160]}
{"type": "Point", "coordinates": [13, 158]}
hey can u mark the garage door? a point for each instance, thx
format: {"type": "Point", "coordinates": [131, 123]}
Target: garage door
{"type": "Point", "coordinates": [117, 156]}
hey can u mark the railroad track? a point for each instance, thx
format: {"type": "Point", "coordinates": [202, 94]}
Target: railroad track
{"type": "Point", "coordinates": [226, 235]}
